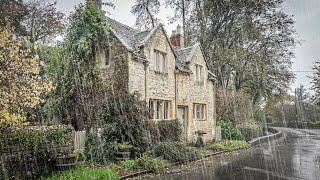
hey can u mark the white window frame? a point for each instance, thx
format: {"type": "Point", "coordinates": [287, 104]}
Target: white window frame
{"type": "Point", "coordinates": [159, 59]}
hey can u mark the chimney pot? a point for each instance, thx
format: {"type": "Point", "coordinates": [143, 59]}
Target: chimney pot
{"type": "Point", "coordinates": [178, 29]}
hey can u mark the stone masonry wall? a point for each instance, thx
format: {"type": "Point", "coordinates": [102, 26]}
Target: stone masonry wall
{"type": "Point", "coordinates": [136, 77]}
{"type": "Point", "coordinates": [116, 73]}
{"type": "Point", "coordinates": [161, 85]}
{"type": "Point", "coordinates": [190, 92]}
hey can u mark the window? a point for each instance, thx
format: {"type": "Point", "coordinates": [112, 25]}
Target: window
{"type": "Point", "coordinates": [159, 109]}
{"type": "Point", "coordinates": [199, 73]}
{"type": "Point", "coordinates": [159, 61]}
{"type": "Point", "coordinates": [106, 56]}
{"type": "Point", "coordinates": [199, 111]}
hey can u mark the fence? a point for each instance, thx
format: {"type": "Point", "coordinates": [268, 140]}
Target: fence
{"type": "Point", "coordinates": [79, 140]}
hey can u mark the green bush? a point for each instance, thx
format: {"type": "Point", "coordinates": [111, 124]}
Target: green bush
{"type": "Point", "coordinates": [169, 130]}
{"type": "Point", "coordinates": [130, 164]}
{"type": "Point", "coordinates": [175, 152]}
{"type": "Point", "coordinates": [99, 150]}
{"type": "Point", "coordinates": [84, 173]}
{"type": "Point", "coordinates": [229, 145]}
{"type": "Point", "coordinates": [251, 129]}
{"type": "Point", "coordinates": [36, 146]}
{"type": "Point", "coordinates": [125, 119]}
{"type": "Point", "coordinates": [229, 130]}
{"type": "Point", "coordinates": [151, 163]}
{"type": "Point", "coordinates": [31, 138]}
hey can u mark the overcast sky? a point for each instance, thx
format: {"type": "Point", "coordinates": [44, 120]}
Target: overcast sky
{"type": "Point", "coordinates": [305, 12]}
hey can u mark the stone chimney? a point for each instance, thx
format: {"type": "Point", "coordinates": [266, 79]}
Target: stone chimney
{"type": "Point", "coordinates": [176, 38]}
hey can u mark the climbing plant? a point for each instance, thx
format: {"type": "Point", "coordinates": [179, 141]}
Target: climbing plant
{"type": "Point", "coordinates": [79, 86]}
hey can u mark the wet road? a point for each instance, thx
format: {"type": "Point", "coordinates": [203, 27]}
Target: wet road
{"type": "Point", "coordinates": [294, 156]}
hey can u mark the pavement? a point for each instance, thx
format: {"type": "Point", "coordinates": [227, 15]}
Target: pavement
{"type": "Point", "coordinates": [296, 155]}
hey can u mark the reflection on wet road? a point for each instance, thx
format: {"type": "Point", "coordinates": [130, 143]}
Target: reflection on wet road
{"type": "Point", "coordinates": [294, 156]}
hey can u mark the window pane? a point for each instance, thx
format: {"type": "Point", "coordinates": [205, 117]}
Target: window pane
{"type": "Point", "coordinates": [202, 111]}
{"type": "Point", "coordinates": [158, 109]}
{"type": "Point", "coordinates": [198, 111]}
{"type": "Point", "coordinates": [201, 73]}
{"type": "Point", "coordinates": [162, 63]}
{"type": "Point", "coordinates": [166, 110]}
{"type": "Point", "coordinates": [194, 111]}
{"type": "Point", "coordinates": [151, 109]}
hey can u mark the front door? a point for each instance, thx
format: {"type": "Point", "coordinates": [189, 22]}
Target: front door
{"type": "Point", "coordinates": [183, 119]}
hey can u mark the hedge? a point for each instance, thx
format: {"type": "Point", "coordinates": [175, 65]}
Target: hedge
{"type": "Point", "coordinates": [29, 152]}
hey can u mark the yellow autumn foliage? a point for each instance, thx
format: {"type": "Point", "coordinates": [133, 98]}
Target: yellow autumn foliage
{"type": "Point", "coordinates": [20, 82]}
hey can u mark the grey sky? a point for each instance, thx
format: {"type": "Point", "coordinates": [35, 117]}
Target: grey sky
{"type": "Point", "coordinates": [305, 12]}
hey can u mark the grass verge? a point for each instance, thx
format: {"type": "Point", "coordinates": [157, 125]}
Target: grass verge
{"type": "Point", "coordinates": [229, 145]}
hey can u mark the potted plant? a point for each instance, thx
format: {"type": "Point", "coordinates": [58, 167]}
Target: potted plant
{"type": "Point", "coordinates": [123, 151]}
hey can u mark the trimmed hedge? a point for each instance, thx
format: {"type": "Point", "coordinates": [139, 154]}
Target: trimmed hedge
{"type": "Point", "coordinates": [29, 152]}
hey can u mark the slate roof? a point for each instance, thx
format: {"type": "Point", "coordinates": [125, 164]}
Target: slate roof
{"type": "Point", "coordinates": [132, 38]}
{"type": "Point", "coordinates": [182, 58]}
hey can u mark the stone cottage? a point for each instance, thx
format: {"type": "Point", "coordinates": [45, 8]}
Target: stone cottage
{"type": "Point", "coordinates": [174, 80]}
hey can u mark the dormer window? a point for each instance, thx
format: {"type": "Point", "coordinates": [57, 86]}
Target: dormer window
{"type": "Point", "coordinates": [159, 61]}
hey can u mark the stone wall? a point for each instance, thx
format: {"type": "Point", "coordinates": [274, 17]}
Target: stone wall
{"type": "Point", "coordinates": [116, 73]}
{"type": "Point", "coordinates": [161, 85]}
{"type": "Point", "coordinates": [190, 92]}
{"type": "Point", "coordinates": [137, 76]}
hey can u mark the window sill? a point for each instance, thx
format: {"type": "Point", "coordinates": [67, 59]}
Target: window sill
{"type": "Point", "coordinates": [161, 73]}
{"type": "Point", "coordinates": [199, 119]}
{"type": "Point", "coordinates": [104, 67]}
{"type": "Point", "coordinates": [200, 83]}
{"type": "Point", "coordinates": [161, 120]}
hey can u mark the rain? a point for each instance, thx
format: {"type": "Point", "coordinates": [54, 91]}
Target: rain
{"type": "Point", "coordinates": [159, 89]}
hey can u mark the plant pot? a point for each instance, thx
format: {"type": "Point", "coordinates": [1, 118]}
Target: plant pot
{"type": "Point", "coordinates": [66, 162]}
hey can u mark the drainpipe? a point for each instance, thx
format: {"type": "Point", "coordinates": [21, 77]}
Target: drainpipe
{"type": "Point", "coordinates": [176, 93]}
{"type": "Point", "coordinates": [145, 81]}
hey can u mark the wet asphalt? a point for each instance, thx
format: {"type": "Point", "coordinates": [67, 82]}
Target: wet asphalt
{"type": "Point", "coordinates": [296, 155]}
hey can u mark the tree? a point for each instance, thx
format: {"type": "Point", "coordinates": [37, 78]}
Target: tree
{"type": "Point", "coordinates": [146, 11]}
{"type": "Point", "coordinates": [42, 22]}
{"type": "Point", "coordinates": [315, 81]}
{"type": "Point", "coordinates": [20, 83]}
{"type": "Point", "coordinates": [12, 11]}
{"type": "Point", "coordinates": [72, 67]}
{"type": "Point", "coordinates": [247, 44]}
{"type": "Point", "coordinates": [181, 9]}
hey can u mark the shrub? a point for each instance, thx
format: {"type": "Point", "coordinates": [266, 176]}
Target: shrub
{"type": "Point", "coordinates": [99, 150]}
{"type": "Point", "coordinates": [36, 146]}
{"type": "Point", "coordinates": [169, 130]}
{"type": "Point", "coordinates": [229, 130]}
{"type": "Point", "coordinates": [82, 172]}
{"type": "Point", "coordinates": [175, 152]}
{"type": "Point", "coordinates": [229, 145]}
{"type": "Point", "coordinates": [130, 164]}
{"type": "Point", "coordinates": [124, 119]}
{"type": "Point", "coordinates": [251, 129]}
{"type": "Point", "coordinates": [151, 163]}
